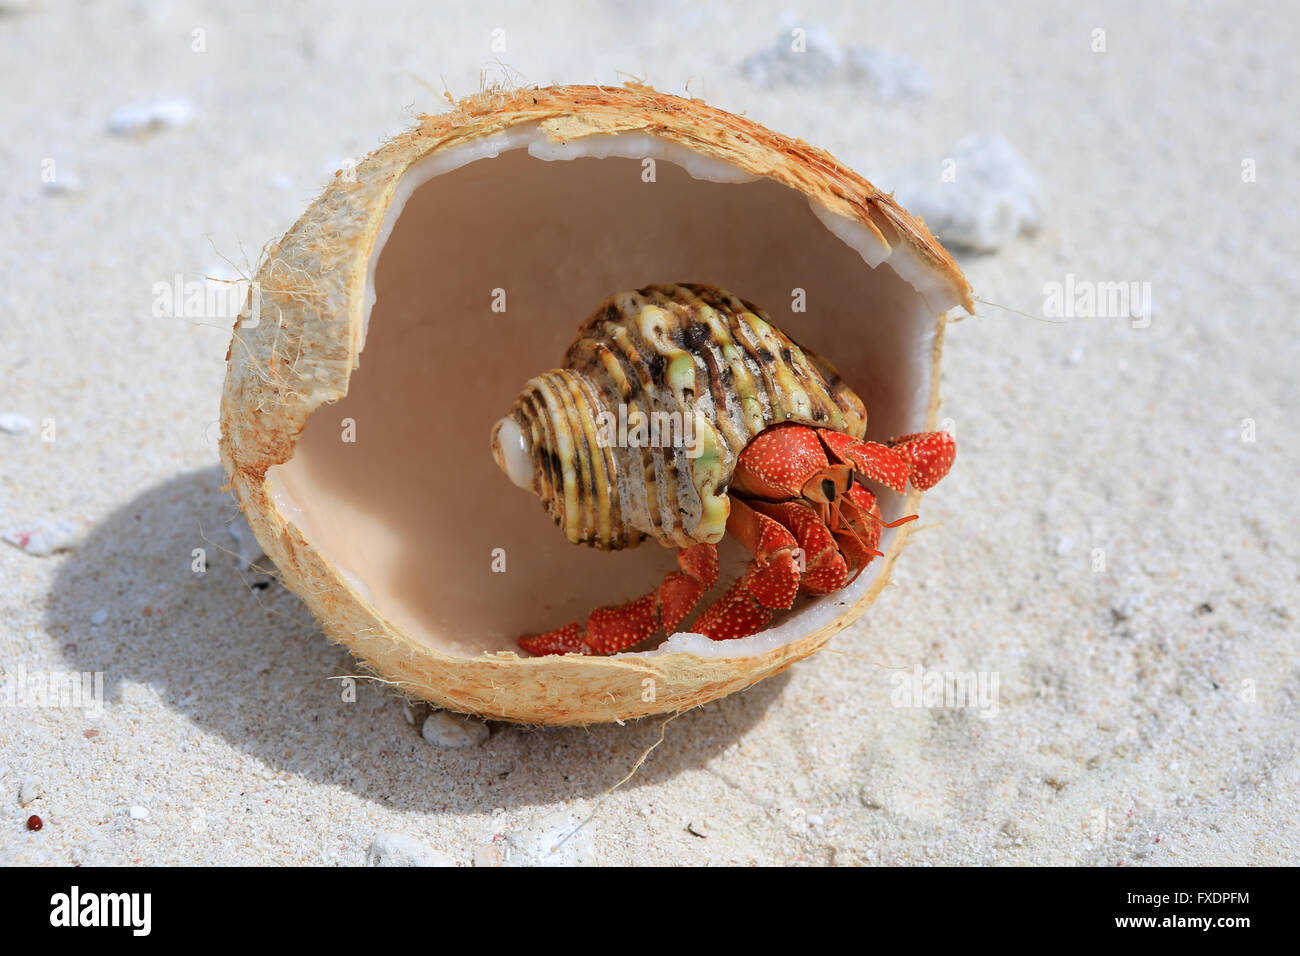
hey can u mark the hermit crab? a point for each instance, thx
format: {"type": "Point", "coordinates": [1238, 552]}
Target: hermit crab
{"type": "Point", "coordinates": [396, 320]}
{"type": "Point", "coordinates": [734, 428]}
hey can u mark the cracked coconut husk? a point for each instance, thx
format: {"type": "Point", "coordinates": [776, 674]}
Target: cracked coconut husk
{"type": "Point", "coordinates": [387, 539]}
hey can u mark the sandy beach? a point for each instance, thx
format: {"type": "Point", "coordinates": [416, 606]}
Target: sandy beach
{"type": "Point", "coordinates": [1116, 550]}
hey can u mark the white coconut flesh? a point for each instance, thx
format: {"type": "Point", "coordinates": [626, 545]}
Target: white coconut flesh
{"type": "Point", "coordinates": [416, 514]}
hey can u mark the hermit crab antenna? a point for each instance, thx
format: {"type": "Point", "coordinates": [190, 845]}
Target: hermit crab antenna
{"type": "Point", "coordinates": [857, 476]}
{"type": "Point", "coordinates": [853, 525]}
{"type": "Point", "coordinates": [895, 524]}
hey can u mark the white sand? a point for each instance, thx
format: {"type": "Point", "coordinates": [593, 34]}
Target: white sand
{"type": "Point", "coordinates": [1147, 713]}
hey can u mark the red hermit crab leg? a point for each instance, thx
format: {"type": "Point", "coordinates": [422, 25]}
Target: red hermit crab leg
{"type": "Point", "coordinates": [922, 458]}
{"type": "Point", "coordinates": [825, 569]}
{"type": "Point", "coordinates": [617, 627]}
{"type": "Point", "coordinates": [772, 530]}
{"type": "Point", "coordinates": [874, 460]}
{"type": "Point", "coordinates": [858, 531]}
{"type": "Point", "coordinates": [929, 456]}
{"type": "Point", "coordinates": [770, 583]}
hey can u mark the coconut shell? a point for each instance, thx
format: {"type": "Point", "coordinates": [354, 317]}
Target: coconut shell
{"type": "Point", "coordinates": [310, 333]}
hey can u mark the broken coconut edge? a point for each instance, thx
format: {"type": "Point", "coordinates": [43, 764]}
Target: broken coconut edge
{"type": "Point", "coordinates": [308, 336]}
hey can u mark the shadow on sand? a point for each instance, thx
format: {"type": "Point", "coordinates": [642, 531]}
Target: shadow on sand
{"type": "Point", "coordinates": [242, 658]}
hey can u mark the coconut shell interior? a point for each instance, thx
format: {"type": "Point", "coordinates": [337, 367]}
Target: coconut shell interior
{"type": "Point", "coordinates": [413, 511]}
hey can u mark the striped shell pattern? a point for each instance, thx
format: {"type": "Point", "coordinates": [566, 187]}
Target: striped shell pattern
{"type": "Point", "coordinates": [637, 435]}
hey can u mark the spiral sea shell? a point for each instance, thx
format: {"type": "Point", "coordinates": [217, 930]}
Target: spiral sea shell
{"type": "Point", "coordinates": [699, 372]}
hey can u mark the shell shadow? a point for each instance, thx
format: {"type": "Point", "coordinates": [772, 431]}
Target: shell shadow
{"type": "Point", "coordinates": [240, 657]}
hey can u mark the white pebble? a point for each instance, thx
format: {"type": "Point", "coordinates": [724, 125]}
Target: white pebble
{"type": "Point", "coordinates": [557, 839]}
{"type": "Point", "coordinates": [15, 424]}
{"type": "Point", "coordinates": [816, 820]}
{"type": "Point", "coordinates": [99, 617]}
{"type": "Point", "coordinates": [411, 711]}
{"type": "Point", "coordinates": [44, 536]}
{"type": "Point", "coordinates": [31, 789]}
{"type": "Point", "coordinates": [65, 184]}
{"type": "Point", "coordinates": [397, 849]}
{"type": "Point", "coordinates": [979, 197]}
{"type": "Point", "coordinates": [812, 57]}
{"type": "Point", "coordinates": [453, 731]}
{"type": "Point", "coordinates": [887, 77]}
{"type": "Point", "coordinates": [155, 115]}
{"type": "Point", "coordinates": [139, 813]}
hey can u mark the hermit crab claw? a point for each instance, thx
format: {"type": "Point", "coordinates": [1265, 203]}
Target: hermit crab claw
{"type": "Point", "coordinates": [511, 452]}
